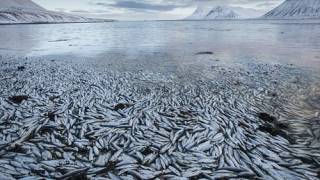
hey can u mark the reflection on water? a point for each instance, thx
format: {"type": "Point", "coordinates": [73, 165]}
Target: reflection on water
{"type": "Point", "coordinates": [170, 42]}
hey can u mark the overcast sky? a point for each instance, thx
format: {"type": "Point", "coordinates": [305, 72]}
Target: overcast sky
{"type": "Point", "coordinates": [146, 9]}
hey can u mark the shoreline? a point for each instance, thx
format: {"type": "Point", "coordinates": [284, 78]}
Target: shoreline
{"type": "Point", "coordinates": [36, 23]}
{"type": "Point", "coordinates": [309, 20]}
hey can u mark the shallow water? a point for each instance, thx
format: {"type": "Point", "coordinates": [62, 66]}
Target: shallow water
{"type": "Point", "coordinates": [149, 100]}
{"type": "Point", "coordinates": [170, 45]}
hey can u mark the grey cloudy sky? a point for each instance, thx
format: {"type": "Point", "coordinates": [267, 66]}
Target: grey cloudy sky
{"type": "Point", "coordinates": [146, 9]}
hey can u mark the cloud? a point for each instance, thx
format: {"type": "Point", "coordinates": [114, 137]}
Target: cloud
{"type": "Point", "coordinates": [267, 4]}
{"type": "Point", "coordinates": [147, 9]}
{"type": "Point", "coordinates": [153, 9]}
{"type": "Point", "coordinates": [141, 6]}
{"type": "Point", "coordinates": [144, 5]}
{"type": "Point", "coordinates": [169, 5]}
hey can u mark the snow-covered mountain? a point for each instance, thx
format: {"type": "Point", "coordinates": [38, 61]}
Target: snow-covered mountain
{"type": "Point", "coordinates": [19, 5]}
{"type": "Point", "coordinates": [26, 11]}
{"type": "Point", "coordinates": [223, 12]}
{"type": "Point", "coordinates": [295, 9]}
{"type": "Point", "coordinates": [217, 12]}
{"type": "Point", "coordinates": [248, 13]}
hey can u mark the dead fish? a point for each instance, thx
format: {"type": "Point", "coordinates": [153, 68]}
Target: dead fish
{"type": "Point", "coordinates": [205, 128]}
{"type": "Point", "coordinates": [75, 173]}
{"type": "Point", "coordinates": [113, 177]}
{"type": "Point", "coordinates": [29, 178]}
{"type": "Point", "coordinates": [6, 176]}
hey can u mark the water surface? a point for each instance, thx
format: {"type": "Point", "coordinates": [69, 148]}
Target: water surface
{"type": "Point", "coordinates": [170, 45]}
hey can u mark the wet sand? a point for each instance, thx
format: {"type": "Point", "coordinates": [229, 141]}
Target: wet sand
{"type": "Point", "coordinates": [61, 119]}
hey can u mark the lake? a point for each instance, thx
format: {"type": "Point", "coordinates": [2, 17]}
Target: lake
{"type": "Point", "coordinates": [170, 43]}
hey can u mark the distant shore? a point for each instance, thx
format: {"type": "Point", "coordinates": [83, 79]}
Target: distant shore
{"type": "Point", "coordinates": [97, 21]}
{"type": "Point", "coordinates": [292, 20]}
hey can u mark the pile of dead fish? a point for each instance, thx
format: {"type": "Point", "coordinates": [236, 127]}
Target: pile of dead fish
{"type": "Point", "coordinates": [63, 120]}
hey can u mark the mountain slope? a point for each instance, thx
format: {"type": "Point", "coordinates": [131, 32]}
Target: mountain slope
{"type": "Point", "coordinates": [19, 5]}
{"type": "Point", "coordinates": [248, 13]}
{"type": "Point", "coordinates": [295, 9]}
{"type": "Point", "coordinates": [223, 12]}
{"type": "Point", "coordinates": [26, 11]}
{"type": "Point", "coordinates": [209, 13]}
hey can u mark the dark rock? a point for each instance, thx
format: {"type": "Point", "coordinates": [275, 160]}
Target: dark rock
{"type": "Point", "coordinates": [21, 68]}
{"type": "Point", "coordinates": [204, 53]}
{"type": "Point", "coordinates": [266, 117]}
{"type": "Point", "coordinates": [268, 128]}
{"type": "Point", "coordinates": [18, 149]}
{"type": "Point", "coordinates": [307, 160]}
{"type": "Point", "coordinates": [274, 127]}
{"type": "Point", "coordinates": [75, 175]}
{"type": "Point", "coordinates": [246, 175]}
{"type": "Point", "coordinates": [199, 176]}
{"type": "Point", "coordinates": [51, 116]}
{"type": "Point", "coordinates": [282, 125]}
{"type": "Point", "coordinates": [121, 106]}
{"type": "Point", "coordinates": [273, 94]}
{"type": "Point", "coordinates": [47, 129]}
{"type": "Point", "coordinates": [81, 176]}
{"type": "Point", "coordinates": [277, 129]}
{"type": "Point", "coordinates": [147, 151]}
{"type": "Point", "coordinates": [111, 165]}
{"type": "Point", "coordinates": [18, 99]}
